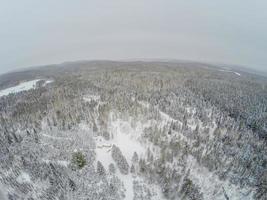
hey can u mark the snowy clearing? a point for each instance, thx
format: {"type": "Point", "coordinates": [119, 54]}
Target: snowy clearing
{"type": "Point", "coordinates": [19, 88]}
{"type": "Point", "coordinates": [24, 86]}
{"type": "Point", "coordinates": [24, 178]}
{"type": "Point", "coordinates": [126, 138]}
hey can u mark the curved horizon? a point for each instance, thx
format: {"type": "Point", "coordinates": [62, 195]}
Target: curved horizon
{"type": "Point", "coordinates": [40, 33]}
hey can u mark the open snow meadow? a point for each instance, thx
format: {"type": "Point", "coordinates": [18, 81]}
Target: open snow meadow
{"type": "Point", "coordinates": [23, 86]}
{"type": "Point", "coordinates": [133, 131]}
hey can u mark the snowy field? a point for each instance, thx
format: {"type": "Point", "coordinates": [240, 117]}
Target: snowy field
{"type": "Point", "coordinates": [22, 87]}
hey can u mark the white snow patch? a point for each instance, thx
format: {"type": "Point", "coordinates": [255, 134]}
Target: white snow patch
{"type": "Point", "coordinates": [3, 192]}
{"type": "Point", "coordinates": [84, 126]}
{"type": "Point", "coordinates": [19, 88]}
{"type": "Point", "coordinates": [126, 137]}
{"type": "Point", "coordinates": [144, 104]}
{"type": "Point", "coordinates": [24, 86]}
{"type": "Point", "coordinates": [89, 98]}
{"type": "Point", "coordinates": [48, 81]}
{"type": "Point", "coordinates": [128, 184]}
{"type": "Point", "coordinates": [63, 163]}
{"type": "Point", "coordinates": [103, 153]}
{"type": "Point", "coordinates": [237, 74]}
{"type": "Point", "coordinates": [123, 136]}
{"type": "Point", "coordinates": [24, 178]}
{"type": "Point", "coordinates": [229, 71]}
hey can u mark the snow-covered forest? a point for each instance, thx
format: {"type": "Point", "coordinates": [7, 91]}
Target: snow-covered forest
{"type": "Point", "coordinates": [133, 130]}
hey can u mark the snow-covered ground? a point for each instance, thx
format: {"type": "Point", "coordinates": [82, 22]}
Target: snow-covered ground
{"type": "Point", "coordinates": [122, 133]}
{"type": "Point", "coordinates": [24, 178]}
{"type": "Point", "coordinates": [89, 98]}
{"type": "Point", "coordinates": [3, 193]}
{"type": "Point", "coordinates": [63, 163]}
{"type": "Point", "coordinates": [126, 137]}
{"type": "Point", "coordinates": [22, 87]}
{"type": "Point", "coordinates": [48, 81]}
{"type": "Point", "coordinates": [229, 71]}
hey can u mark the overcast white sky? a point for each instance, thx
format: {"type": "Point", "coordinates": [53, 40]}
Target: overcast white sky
{"type": "Point", "coordinates": [37, 32]}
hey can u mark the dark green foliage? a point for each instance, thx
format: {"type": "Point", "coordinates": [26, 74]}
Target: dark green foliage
{"type": "Point", "coordinates": [78, 159]}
